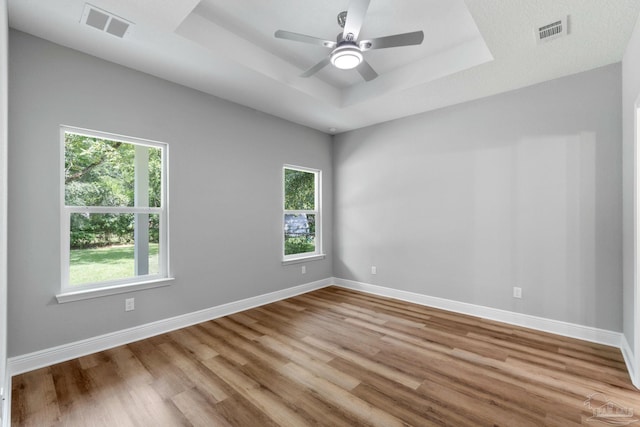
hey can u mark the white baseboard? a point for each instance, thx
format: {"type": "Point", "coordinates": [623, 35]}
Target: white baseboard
{"type": "Point", "coordinates": [629, 360]}
{"type": "Point", "coordinates": [558, 327]}
{"type": "Point", "coordinates": [47, 357]}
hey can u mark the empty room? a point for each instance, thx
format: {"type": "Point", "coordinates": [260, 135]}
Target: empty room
{"type": "Point", "coordinates": [328, 213]}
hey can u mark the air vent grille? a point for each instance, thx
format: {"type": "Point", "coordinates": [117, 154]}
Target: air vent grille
{"type": "Point", "coordinates": [551, 31]}
{"type": "Point", "coordinates": [105, 21]}
{"type": "Point", "coordinates": [97, 19]}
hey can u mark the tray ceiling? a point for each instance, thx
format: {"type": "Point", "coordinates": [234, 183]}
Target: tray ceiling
{"type": "Point", "coordinates": [472, 48]}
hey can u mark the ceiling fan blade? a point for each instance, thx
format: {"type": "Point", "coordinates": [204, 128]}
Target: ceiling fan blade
{"type": "Point", "coordinates": [288, 35]}
{"type": "Point", "coordinates": [319, 66]}
{"type": "Point", "coordinates": [355, 18]}
{"type": "Point", "coordinates": [406, 39]}
{"type": "Point", "coordinates": [366, 71]}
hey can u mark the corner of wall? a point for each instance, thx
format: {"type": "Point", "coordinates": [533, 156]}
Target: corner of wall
{"type": "Point", "coordinates": [630, 99]}
{"type": "Point", "coordinates": [630, 361]}
{"type": "Point", "coordinates": [4, 60]}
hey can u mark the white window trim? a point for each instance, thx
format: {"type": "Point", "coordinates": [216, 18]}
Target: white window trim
{"type": "Point", "coordinates": [112, 290]}
{"type": "Point", "coordinates": [318, 253]}
{"type": "Point", "coordinates": [302, 259]}
{"type": "Point", "coordinates": [99, 289]}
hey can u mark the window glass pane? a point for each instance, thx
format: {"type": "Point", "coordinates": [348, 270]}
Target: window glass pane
{"type": "Point", "coordinates": [155, 177]}
{"type": "Point", "coordinates": [101, 172]}
{"type": "Point", "coordinates": [299, 233]}
{"type": "Point", "coordinates": [299, 190]}
{"type": "Point", "coordinates": [102, 247]}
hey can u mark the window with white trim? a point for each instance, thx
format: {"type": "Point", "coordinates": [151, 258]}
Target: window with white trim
{"type": "Point", "coordinates": [302, 215]}
{"type": "Point", "coordinates": [114, 210]}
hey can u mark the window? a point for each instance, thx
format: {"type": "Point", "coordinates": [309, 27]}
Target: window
{"type": "Point", "coordinates": [114, 219]}
{"type": "Point", "coordinates": [301, 219]}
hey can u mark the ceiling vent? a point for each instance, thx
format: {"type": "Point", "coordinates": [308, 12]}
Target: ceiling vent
{"type": "Point", "coordinates": [105, 21]}
{"type": "Point", "coordinates": [552, 30]}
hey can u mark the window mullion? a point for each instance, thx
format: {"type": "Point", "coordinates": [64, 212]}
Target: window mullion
{"type": "Point", "coordinates": [300, 212]}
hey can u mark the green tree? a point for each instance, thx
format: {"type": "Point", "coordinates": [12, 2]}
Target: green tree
{"type": "Point", "coordinates": [101, 172]}
{"type": "Point", "coordinates": [299, 191]}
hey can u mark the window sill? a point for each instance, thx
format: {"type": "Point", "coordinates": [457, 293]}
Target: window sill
{"type": "Point", "coordinates": [112, 290]}
{"type": "Point", "coordinates": [303, 259]}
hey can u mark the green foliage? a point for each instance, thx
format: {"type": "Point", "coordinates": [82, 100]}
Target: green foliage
{"type": "Point", "coordinates": [98, 172]}
{"type": "Point", "coordinates": [101, 173]}
{"type": "Point", "coordinates": [96, 230]}
{"type": "Point", "coordinates": [155, 177]}
{"type": "Point", "coordinates": [311, 220]}
{"type": "Point", "coordinates": [299, 190]}
{"type": "Point", "coordinates": [299, 244]}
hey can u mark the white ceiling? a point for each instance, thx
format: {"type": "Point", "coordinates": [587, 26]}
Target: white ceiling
{"type": "Point", "coordinates": [472, 49]}
{"type": "Point", "coordinates": [446, 24]}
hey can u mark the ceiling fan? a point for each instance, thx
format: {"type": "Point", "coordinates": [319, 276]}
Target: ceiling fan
{"type": "Point", "coordinates": [347, 51]}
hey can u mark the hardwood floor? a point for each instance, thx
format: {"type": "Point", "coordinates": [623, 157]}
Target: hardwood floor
{"type": "Point", "coordinates": [334, 357]}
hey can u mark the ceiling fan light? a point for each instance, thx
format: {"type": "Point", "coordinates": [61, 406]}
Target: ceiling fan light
{"type": "Point", "coordinates": [346, 58]}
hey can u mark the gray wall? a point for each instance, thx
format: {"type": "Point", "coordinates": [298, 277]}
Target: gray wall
{"type": "Point", "coordinates": [520, 189]}
{"type": "Point", "coordinates": [4, 36]}
{"type": "Point", "coordinates": [630, 94]}
{"type": "Point", "coordinates": [225, 191]}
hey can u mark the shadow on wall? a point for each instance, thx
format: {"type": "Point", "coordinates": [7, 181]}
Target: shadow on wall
{"type": "Point", "coordinates": [470, 222]}
{"type": "Point", "coordinates": [553, 226]}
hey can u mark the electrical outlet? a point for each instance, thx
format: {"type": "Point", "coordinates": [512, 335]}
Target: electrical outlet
{"type": "Point", "coordinates": [129, 304]}
{"type": "Point", "coordinates": [304, 269]}
{"type": "Point", "coordinates": [517, 292]}
{"type": "Point", "coordinates": [374, 269]}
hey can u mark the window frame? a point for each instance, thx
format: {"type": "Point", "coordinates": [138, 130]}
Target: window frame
{"type": "Point", "coordinates": [318, 253]}
{"type": "Point", "coordinates": [95, 289]}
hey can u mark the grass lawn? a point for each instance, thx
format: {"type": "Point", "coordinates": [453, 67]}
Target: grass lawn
{"type": "Point", "coordinates": [110, 263]}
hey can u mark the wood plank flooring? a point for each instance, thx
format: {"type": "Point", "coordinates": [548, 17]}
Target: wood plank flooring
{"type": "Point", "coordinates": [335, 357]}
